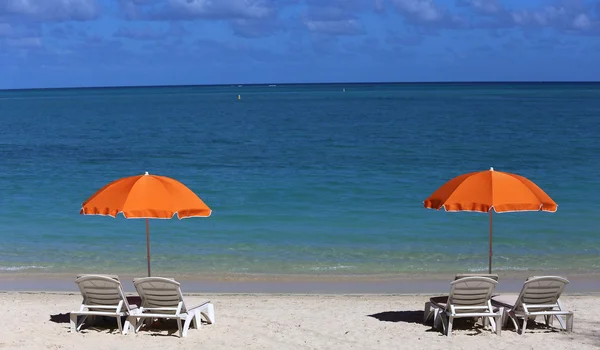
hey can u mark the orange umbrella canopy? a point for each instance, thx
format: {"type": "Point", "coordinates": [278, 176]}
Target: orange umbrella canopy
{"type": "Point", "coordinates": [481, 191]}
{"type": "Point", "coordinates": [145, 196]}
{"type": "Point", "coordinates": [486, 190]}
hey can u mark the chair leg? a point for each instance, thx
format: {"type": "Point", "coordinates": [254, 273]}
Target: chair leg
{"type": "Point", "coordinates": [441, 318]}
{"type": "Point", "coordinates": [499, 324]}
{"type": "Point", "coordinates": [197, 321]}
{"type": "Point", "coordinates": [491, 321]}
{"type": "Point", "coordinates": [437, 317]}
{"type": "Point", "coordinates": [189, 319]}
{"type": "Point", "coordinates": [129, 321]}
{"type": "Point", "coordinates": [561, 321]}
{"type": "Point", "coordinates": [140, 323]}
{"type": "Point", "coordinates": [209, 313]}
{"type": "Point", "coordinates": [569, 323]}
{"type": "Point", "coordinates": [81, 321]}
{"type": "Point", "coordinates": [426, 312]}
{"type": "Point", "coordinates": [180, 327]}
{"type": "Point", "coordinates": [73, 322]}
{"type": "Point", "coordinates": [525, 319]}
{"type": "Point", "coordinates": [513, 317]}
{"type": "Point", "coordinates": [449, 330]}
{"type": "Point", "coordinates": [119, 324]}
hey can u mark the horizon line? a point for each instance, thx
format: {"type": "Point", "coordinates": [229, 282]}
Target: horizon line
{"type": "Point", "coordinates": [474, 82]}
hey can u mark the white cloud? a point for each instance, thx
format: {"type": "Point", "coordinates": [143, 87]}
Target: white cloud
{"type": "Point", "coordinates": [52, 10]}
{"type": "Point", "coordinates": [485, 6]}
{"type": "Point", "coordinates": [341, 27]}
{"type": "Point", "coordinates": [582, 22]}
{"type": "Point", "coordinates": [212, 8]}
{"type": "Point", "coordinates": [543, 17]}
{"type": "Point", "coordinates": [24, 43]}
{"type": "Point", "coordinates": [423, 10]}
{"type": "Point", "coordinates": [559, 17]}
{"type": "Point", "coordinates": [378, 5]}
{"type": "Point", "coordinates": [5, 29]}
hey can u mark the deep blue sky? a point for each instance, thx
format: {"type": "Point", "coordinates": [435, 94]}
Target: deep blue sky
{"type": "Point", "coordinates": [55, 43]}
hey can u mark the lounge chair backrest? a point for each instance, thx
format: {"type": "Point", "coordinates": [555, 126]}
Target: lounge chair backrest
{"type": "Point", "coordinates": [541, 290]}
{"type": "Point", "coordinates": [488, 275]}
{"type": "Point", "coordinates": [115, 277]}
{"type": "Point", "coordinates": [471, 291]}
{"type": "Point", "coordinates": [101, 291]}
{"type": "Point", "coordinates": [160, 292]}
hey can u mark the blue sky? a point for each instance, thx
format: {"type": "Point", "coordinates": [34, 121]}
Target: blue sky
{"type": "Point", "coordinates": [56, 43]}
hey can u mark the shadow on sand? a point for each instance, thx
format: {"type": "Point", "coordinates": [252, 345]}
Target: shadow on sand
{"type": "Point", "coordinates": [60, 318]}
{"type": "Point", "coordinates": [103, 322]}
{"type": "Point", "coordinates": [417, 317]}
{"type": "Point", "coordinates": [465, 324]}
{"type": "Point", "coordinates": [399, 316]}
{"type": "Point", "coordinates": [100, 323]}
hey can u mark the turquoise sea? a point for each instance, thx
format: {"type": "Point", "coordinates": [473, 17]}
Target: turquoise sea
{"type": "Point", "coordinates": [302, 179]}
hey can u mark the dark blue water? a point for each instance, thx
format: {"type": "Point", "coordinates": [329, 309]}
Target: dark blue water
{"type": "Point", "coordinates": [301, 179]}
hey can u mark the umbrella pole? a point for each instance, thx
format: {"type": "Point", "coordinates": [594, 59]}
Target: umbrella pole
{"type": "Point", "coordinates": [148, 244]}
{"type": "Point", "coordinates": [490, 263]}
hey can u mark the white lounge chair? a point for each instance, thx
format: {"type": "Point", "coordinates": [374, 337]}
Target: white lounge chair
{"type": "Point", "coordinates": [469, 297]}
{"type": "Point", "coordinates": [539, 297]}
{"type": "Point", "coordinates": [162, 298]}
{"type": "Point", "coordinates": [431, 311]}
{"type": "Point", "coordinates": [102, 296]}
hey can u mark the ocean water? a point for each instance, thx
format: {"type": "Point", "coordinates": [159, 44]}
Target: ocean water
{"type": "Point", "coordinates": [302, 179]}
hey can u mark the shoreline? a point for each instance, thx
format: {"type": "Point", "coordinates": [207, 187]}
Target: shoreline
{"type": "Point", "coordinates": [302, 284]}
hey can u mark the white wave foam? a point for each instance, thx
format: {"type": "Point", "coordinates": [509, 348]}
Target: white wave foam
{"type": "Point", "coordinates": [509, 268]}
{"type": "Point", "coordinates": [329, 268]}
{"type": "Point", "coordinates": [20, 268]}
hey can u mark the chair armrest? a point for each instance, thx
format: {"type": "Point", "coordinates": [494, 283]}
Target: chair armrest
{"type": "Point", "coordinates": [100, 306]}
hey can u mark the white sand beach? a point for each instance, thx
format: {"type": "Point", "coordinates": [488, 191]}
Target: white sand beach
{"type": "Point", "coordinates": [39, 320]}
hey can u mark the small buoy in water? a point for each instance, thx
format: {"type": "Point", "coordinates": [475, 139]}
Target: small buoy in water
{"type": "Point", "coordinates": [239, 97]}
{"type": "Point", "coordinates": [344, 89]}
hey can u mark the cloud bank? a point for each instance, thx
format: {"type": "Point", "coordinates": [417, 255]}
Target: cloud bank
{"type": "Point", "coordinates": [296, 39]}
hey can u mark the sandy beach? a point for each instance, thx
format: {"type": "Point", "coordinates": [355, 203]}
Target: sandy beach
{"type": "Point", "coordinates": [39, 320]}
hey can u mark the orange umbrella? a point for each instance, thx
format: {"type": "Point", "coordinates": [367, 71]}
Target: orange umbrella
{"type": "Point", "coordinates": [146, 196]}
{"type": "Point", "coordinates": [486, 190]}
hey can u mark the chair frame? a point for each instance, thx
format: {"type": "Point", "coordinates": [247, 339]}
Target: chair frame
{"type": "Point", "coordinates": [91, 310]}
{"type": "Point", "coordinates": [448, 312]}
{"type": "Point", "coordinates": [179, 312]}
{"type": "Point", "coordinates": [527, 311]}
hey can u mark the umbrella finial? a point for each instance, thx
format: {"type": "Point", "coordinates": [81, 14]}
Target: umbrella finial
{"type": "Point", "coordinates": [146, 173]}
{"type": "Point", "coordinates": [491, 169]}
